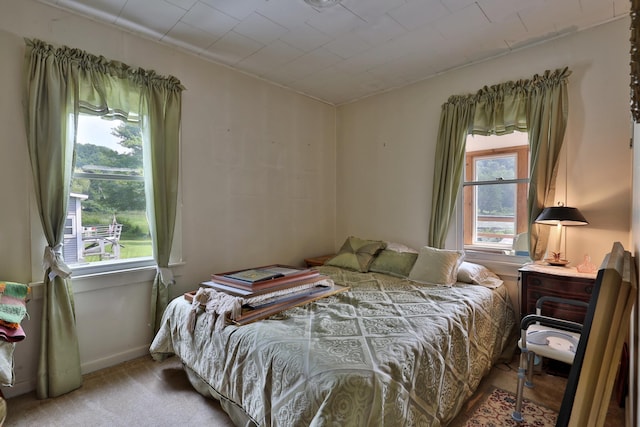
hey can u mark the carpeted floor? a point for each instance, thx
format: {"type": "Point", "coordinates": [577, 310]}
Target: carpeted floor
{"type": "Point", "coordinates": [496, 410]}
{"type": "Point", "coordinates": [138, 393]}
{"type": "Point", "coordinates": [144, 393]}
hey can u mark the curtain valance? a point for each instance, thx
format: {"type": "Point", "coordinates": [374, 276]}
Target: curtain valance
{"type": "Point", "coordinates": [501, 109]}
{"type": "Point", "coordinates": [104, 87]}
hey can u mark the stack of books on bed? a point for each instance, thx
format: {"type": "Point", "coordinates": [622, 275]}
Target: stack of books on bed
{"type": "Point", "coordinates": [262, 280]}
{"type": "Point", "coordinates": [271, 289]}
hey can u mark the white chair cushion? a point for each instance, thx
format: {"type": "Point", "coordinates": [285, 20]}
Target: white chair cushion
{"type": "Point", "coordinates": [553, 343]}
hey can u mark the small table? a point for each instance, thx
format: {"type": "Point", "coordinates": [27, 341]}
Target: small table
{"type": "Point", "coordinates": [537, 280]}
{"type": "Point", "coordinates": [318, 260]}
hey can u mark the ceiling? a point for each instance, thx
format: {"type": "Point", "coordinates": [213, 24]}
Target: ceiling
{"type": "Point", "coordinates": [354, 49]}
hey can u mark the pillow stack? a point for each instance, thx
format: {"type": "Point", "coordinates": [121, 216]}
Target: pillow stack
{"type": "Point", "coordinates": [356, 254]}
{"type": "Point", "coordinates": [429, 265]}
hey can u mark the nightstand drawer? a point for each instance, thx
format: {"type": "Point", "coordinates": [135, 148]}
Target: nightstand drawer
{"type": "Point", "coordinates": [536, 284]}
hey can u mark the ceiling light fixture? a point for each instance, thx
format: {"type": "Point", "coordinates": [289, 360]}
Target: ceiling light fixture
{"type": "Point", "coordinates": [322, 3]}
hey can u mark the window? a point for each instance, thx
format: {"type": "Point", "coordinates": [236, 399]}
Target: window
{"type": "Point", "coordinates": [107, 202]}
{"type": "Point", "coordinates": [495, 191]}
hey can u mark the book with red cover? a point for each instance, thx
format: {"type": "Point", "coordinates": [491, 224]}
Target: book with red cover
{"type": "Point", "coordinates": [232, 289]}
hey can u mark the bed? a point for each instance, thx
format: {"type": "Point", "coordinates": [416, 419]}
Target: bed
{"type": "Point", "coordinates": [389, 351]}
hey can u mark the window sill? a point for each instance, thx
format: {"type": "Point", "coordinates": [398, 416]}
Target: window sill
{"type": "Point", "coordinates": [501, 264]}
{"type": "Point", "coordinates": [98, 277]}
{"type": "Point", "coordinates": [479, 255]}
{"type": "Point", "coordinates": [110, 267]}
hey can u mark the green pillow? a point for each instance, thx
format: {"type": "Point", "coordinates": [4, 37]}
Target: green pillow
{"type": "Point", "coordinates": [356, 254]}
{"type": "Point", "coordinates": [394, 263]}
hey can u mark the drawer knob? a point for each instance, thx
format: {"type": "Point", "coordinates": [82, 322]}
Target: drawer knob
{"type": "Point", "coordinates": [588, 289]}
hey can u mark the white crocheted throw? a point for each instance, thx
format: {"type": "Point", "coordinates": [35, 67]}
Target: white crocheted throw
{"type": "Point", "coordinates": [222, 306]}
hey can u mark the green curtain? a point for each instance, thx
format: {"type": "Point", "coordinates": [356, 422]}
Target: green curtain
{"type": "Point", "coordinates": [455, 120]}
{"type": "Point", "coordinates": [547, 112]}
{"type": "Point", "coordinates": [50, 103]}
{"type": "Point", "coordinates": [161, 136]}
{"type": "Point", "coordinates": [538, 106]}
{"type": "Point", "coordinates": [60, 83]}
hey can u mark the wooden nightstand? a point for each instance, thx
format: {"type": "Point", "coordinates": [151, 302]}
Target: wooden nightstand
{"type": "Point", "coordinates": [537, 280]}
{"type": "Point", "coordinates": [318, 260]}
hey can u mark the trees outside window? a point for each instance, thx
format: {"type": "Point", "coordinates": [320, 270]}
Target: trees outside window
{"type": "Point", "coordinates": [108, 182]}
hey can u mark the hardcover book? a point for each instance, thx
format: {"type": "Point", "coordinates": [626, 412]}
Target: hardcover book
{"type": "Point", "coordinates": [255, 275]}
{"type": "Point", "coordinates": [257, 278]}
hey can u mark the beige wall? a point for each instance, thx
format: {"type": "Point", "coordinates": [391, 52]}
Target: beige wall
{"type": "Point", "coordinates": [386, 143]}
{"type": "Point", "coordinates": [258, 181]}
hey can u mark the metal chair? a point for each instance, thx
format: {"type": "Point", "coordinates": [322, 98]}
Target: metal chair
{"type": "Point", "coordinates": [545, 336]}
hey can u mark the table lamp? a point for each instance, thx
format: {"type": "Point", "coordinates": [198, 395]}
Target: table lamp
{"type": "Point", "coordinates": [560, 216]}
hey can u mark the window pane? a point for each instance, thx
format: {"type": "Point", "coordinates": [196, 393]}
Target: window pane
{"type": "Point", "coordinates": [495, 214]}
{"type": "Point", "coordinates": [491, 168]}
{"type": "Point", "coordinates": [107, 204]}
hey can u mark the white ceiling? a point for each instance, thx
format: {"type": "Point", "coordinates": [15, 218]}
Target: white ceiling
{"type": "Point", "coordinates": [356, 48]}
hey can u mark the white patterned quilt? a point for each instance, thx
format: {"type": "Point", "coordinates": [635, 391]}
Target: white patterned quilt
{"type": "Point", "coordinates": [388, 352]}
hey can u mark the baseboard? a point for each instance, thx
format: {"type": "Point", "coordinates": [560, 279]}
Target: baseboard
{"type": "Point", "coordinates": [19, 388]}
{"type": "Point", "coordinates": [114, 359]}
{"type": "Point", "coordinates": [27, 386]}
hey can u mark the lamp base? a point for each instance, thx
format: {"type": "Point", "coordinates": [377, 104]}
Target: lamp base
{"type": "Point", "coordinates": [557, 262]}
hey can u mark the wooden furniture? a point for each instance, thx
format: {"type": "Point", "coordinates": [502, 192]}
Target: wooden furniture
{"type": "Point", "coordinates": [318, 260]}
{"type": "Point", "coordinates": [537, 280]}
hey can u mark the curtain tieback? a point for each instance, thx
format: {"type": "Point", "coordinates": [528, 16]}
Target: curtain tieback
{"type": "Point", "coordinates": [166, 276]}
{"type": "Point", "coordinates": [53, 259]}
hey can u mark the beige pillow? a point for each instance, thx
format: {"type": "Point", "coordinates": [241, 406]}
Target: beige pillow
{"type": "Point", "coordinates": [356, 254]}
{"type": "Point", "coordinates": [436, 266]}
{"type": "Point", "coordinates": [469, 272]}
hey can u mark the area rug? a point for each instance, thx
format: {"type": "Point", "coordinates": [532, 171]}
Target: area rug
{"type": "Point", "coordinates": [495, 411]}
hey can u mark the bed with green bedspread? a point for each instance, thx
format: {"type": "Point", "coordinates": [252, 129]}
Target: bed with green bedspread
{"type": "Point", "coordinates": [387, 352]}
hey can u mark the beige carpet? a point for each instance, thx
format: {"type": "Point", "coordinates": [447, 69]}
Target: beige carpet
{"type": "Point", "coordinates": [142, 392]}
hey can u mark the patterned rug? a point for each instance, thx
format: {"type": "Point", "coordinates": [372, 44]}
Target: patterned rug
{"type": "Point", "coordinates": [495, 411]}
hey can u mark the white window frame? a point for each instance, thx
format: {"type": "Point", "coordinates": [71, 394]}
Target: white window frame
{"type": "Point", "coordinates": [123, 268]}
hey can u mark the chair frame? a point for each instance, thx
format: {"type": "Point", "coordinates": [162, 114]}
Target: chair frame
{"type": "Point", "coordinates": [527, 356]}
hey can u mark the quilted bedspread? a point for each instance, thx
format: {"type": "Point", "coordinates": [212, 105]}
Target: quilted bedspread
{"type": "Point", "coordinates": [387, 352]}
